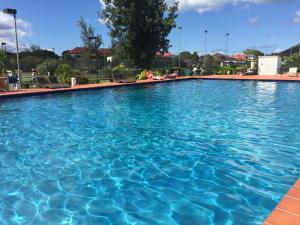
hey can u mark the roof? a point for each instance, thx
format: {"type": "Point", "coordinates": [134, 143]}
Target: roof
{"type": "Point", "coordinates": [165, 54]}
{"type": "Point", "coordinates": [76, 51]}
{"type": "Point", "coordinates": [240, 56]}
{"type": "Point", "coordinates": [218, 57]}
{"type": "Point", "coordinates": [102, 51]}
{"type": "Point", "coordinates": [105, 51]}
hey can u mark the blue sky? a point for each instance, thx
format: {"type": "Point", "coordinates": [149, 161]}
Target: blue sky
{"type": "Point", "coordinates": [267, 25]}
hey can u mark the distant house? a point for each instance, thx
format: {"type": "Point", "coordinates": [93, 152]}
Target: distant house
{"type": "Point", "coordinates": [219, 58]}
{"type": "Point", "coordinates": [164, 59]}
{"type": "Point", "coordinates": [291, 51]}
{"type": "Point", "coordinates": [244, 57]}
{"type": "Point", "coordinates": [76, 52]}
{"type": "Point", "coordinates": [164, 54]}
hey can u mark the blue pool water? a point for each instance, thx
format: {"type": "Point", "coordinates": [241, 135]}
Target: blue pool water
{"type": "Point", "coordinates": [182, 153]}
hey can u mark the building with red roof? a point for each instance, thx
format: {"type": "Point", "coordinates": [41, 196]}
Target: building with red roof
{"type": "Point", "coordinates": [75, 52]}
{"type": "Point", "coordinates": [164, 54]}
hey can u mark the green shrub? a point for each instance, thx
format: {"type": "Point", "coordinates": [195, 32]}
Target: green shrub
{"type": "Point", "coordinates": [162, 70]}
{"type": "Point", "coordinates": [120, 69]}
{"type": "Point", "coordinates": [142, 75]}
{"type": "Point", "coordinates": [82, 79]}
{"type": "Point", "coordinates": [47, 66]}
{"type": "Point", "coordinates": [120, 72]}
{"type": "Point", "coordinates": [107, 72]}
{"type": "Point", "coordinates": [157, 73]}
{"type": "Point", "coordinates": [64, 73]}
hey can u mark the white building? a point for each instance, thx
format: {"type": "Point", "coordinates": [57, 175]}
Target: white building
{"type": "Point", "coordinates": [269, 65]}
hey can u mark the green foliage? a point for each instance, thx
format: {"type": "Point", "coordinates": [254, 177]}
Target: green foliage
{"type": "Point", "coordinates": [122, 73]}
{"type": "Point", "coordinates": [291, 61]}
{"type": "Point", "coordinates": [47, 66]}
{"type": "Point", "coordinates": [157, 73]}
{"type": "Point", "coordinates": [37, 52]}
{"type": "Point", "coordinates": [139, 28]}
{"type": "Point", "coordinates": [91, 41]}
{"type": "Point", "coordinates": [189, 56]}
{"type": "Point", "coordinates": [120, 69]}
{"type": "Point", "coordinates": [142, 75]}
{"type": "Point", "coordinates": [107, 72]}
{"type": "Point", "coordinates": [173, 69]}
{"type": "Point", "coordinates": [2, 62]}
{"type": "Point", "coordinates": [227, 70]}
{"type": "Point", "coordinates": [253, 52]}
{"type": "Point", "coordinates": [80, 78]}
{"type": "Point", "coordinates": [30, 62]}
{"type": "Point", "coordinates": [64, 73]}
{"type": "Point", "coordinates": [242, 68]}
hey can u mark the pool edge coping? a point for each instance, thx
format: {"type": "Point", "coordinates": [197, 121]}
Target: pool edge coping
{"type": "Point", "coordinates": [37, 92]}
{"type": "Point", "coordinates": [287, 211]}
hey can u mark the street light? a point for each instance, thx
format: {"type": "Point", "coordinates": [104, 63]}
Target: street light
{"type": "Point", "coordinates": [13, 12]}
{"type": "Point", "coordinates": [97, 62]}
{"type": "Point", "coordinates": [227, 37]}
{"type": "Point", "coordinates": [205, 33]}
{"type": "Point", "coordinates": [179, 60]}
{"type": "Point", "coordinates": [3, 44]}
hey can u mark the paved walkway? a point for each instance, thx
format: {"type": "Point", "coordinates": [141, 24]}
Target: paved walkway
{"type": "Point", "coordinates": [38, 91]}
{"type": "Point", "coordinates": [288, 210]}
{"type": "Point", "coordinates": [252, 77]}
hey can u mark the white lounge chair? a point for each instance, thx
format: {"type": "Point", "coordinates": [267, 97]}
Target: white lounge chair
{"type": "Point", "coordinates": [293, 72]}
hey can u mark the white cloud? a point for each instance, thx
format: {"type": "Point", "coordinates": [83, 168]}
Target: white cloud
{"type": "Point", "coordinates": [254, 20]}
{"type": "Point", "coordinates": [278, 50]}
{"type": "Point", "coordinates": [7, 30]}
{"type": "Point", "coordinates": [203, 6]}
{"type": "Point", "coordinates": [102, 4]}
{"type": "Point", "coordinates": [101, 21]}
{"type": "Point", "coordinates": [297, 17]}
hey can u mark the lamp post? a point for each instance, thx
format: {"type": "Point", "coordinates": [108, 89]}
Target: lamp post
{"type": "Point", "coordinates": [205, 34]}
{"type": "Point", "coordinates": [13, 12]}
{"type": "Point", "coordinates": [3, 44]}
{"type": "Point", "coordinates": [97, 63]}
{"type": "Point", "coordinates": [227, 39]}
{"type": "Point", "coordinates": [179, 47]}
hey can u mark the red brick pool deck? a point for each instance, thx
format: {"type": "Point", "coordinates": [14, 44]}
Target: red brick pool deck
{"type": "Point", "coordinates": [288, 210]}
{"type": "Point", "coordinates": [252, 77]}
{"type": "Point", "coordinates": [37, 91]}
{"type": "Point", "coordinates": [40, 91]}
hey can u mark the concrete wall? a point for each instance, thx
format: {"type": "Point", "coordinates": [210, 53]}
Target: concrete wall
{"type": "Point", "coordinates": [269, 65]}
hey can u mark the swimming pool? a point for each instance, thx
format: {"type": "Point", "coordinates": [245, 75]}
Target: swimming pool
{"type": "Point", "coordinates": [190, 152]}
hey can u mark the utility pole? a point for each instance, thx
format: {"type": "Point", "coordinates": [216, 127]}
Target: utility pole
{"type": "Point", "coordinates": [179, 47]}
{"type": "Point", "coordinates": [13, 12]}
{"type": "Point", "coordinates": [227, 37]}
{"type": "Point", "coordinates": [205, 34]}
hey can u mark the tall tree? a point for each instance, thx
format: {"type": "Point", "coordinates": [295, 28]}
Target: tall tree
{"type": "Point", "coordinates": [140, 28]}
{"type": "Point", "coordinates": [3, 60]}
{"type": "Point", "coordinates": [91, 41]}
{"type": "Point", "coordinates": [254, 52]}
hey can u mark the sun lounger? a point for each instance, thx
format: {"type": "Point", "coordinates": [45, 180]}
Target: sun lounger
{"type": "Point", "coordinates": [41, 82]}
{"type": "Point", "coordinates": [293, 72]}
{"type": "Point", "coordinates": [53, 81]}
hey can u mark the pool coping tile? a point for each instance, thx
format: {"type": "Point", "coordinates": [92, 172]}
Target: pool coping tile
{"type": "Point", "coordinates": [288, 210]}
